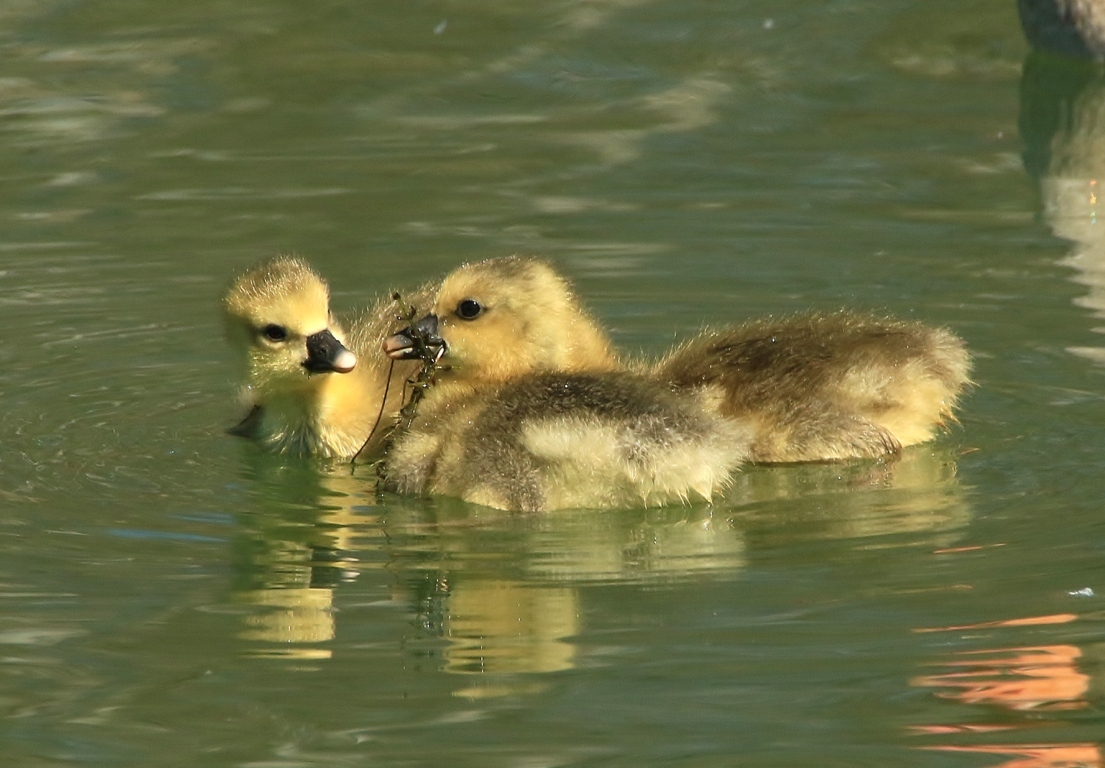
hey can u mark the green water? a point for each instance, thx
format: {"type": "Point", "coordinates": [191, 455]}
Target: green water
{"type": "Point", "coordinates": [171, 597]}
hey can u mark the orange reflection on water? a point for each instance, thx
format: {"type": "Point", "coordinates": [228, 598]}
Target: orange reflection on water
{"type": "Point", "coordinates": [1042, 677]}
{"type": "Point", "coordinates": [1038, 755]}
{"type": "Point", "coordinates": [1029, 621]}
{"type": "Point", "coordinates": [940, 729]}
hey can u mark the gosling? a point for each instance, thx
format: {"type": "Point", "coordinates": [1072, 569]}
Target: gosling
{"type": "Point", "coordinates": [824, 387]}
{"type": "Point", "coordinates": [814, 387]}
{"type": "Point", "coordinates": [313, 386]}
{"type": "Point", "coordinates": [532, 411]}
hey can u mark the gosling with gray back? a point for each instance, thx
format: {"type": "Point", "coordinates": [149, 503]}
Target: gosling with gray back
{"type": "Point", "coordinates": [532, 411]}
{"type": "Point", "coordinates": [823, 387]}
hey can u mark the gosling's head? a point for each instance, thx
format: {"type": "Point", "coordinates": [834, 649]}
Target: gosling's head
{"type": "Point", "coordinates": [278, 321]}
{"type": "Point", "coordinates": [504, 318]}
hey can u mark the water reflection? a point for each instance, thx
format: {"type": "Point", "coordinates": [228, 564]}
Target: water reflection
{"type": "Point", "coordinates": [1042, 678]}
{"type": "Point", "coordinates": [293, 563]}
{"type": "Point", "coordinates": [1034, 679]}
{"type": "Point", "coordinates": [1062, 123]}
{"type": "Point", "coordinates": [502, 626]}
{"type": "Point", "coordinates": [500, 598]}
{"type": "Point", "coordinates": [918, 496]}
{"type": "Point", "coordinates": [1039, 756]}
{"type": "Point", "coordinates": [505, 593]}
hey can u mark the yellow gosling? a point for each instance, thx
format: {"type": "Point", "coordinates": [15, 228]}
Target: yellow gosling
{"type": "Point", "coordinates": [532, 410]}
{"type": "Point", "coordinates": [313, 385]}
{"type": "Point", "coordinates": [508, 317]}
{"type": "Point", "coordinates": [815, 387]}
{"type": "Point", "coordinates": [827, 386]}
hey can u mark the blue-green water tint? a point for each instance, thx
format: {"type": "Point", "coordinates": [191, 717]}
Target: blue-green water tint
{"type": "Point", "coordinates": [170, 596]}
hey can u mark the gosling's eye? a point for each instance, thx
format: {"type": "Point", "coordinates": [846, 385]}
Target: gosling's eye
{"type": "Point", "coordinates": [469, 309]}
{"type": "Point", "coordinates": [274, 332]}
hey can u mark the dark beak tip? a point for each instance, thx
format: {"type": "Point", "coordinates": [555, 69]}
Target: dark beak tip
{"type": "Point", "coordinates": [325, 354]}
{"type": "Point", "coordinates": [404, 344]}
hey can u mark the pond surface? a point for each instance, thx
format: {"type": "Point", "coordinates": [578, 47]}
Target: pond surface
{"type": "Point", "coordinates": [170, 596]}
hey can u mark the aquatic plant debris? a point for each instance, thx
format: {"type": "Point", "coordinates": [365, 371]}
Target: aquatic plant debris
{"type": "Point", "coordinates": [425, 351]}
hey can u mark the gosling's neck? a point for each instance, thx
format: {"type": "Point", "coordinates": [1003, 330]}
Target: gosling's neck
{"type": "Point", "coordinates": [332, 419]}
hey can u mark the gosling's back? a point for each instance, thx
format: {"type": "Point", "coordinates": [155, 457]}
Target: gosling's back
{"type": "Point", "coordinates": [561, 440]}
{"type": "Point", "coordinates": [827, 386]}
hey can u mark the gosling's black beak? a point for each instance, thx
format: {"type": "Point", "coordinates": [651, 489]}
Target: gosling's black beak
{"type": "Point", "coordinates": [325, 354]}
{"type": "Point", "coordinates": [408, 343]}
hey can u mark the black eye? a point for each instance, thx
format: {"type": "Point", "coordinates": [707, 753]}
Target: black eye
{"type": "Point", "coordinates": [275, 332]}
{"type": "Point", "coordinates": [469, 309]}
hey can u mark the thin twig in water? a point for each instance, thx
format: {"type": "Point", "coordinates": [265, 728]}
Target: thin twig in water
{"type": "Point", "coordinates": [379, 415]}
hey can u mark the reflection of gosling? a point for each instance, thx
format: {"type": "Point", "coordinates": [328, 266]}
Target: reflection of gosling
{"type": "Point", "coordinates": [530, 412]}
{"type": "Point", "coordinates": [500, 626]}
{"type": "Point", "coordinates": [823, 387]}
{"type": "Point", "coordinates": [309, 393]}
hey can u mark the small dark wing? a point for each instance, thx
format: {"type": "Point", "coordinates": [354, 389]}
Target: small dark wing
{"type": "Point", "coordinates": [248, 426]}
